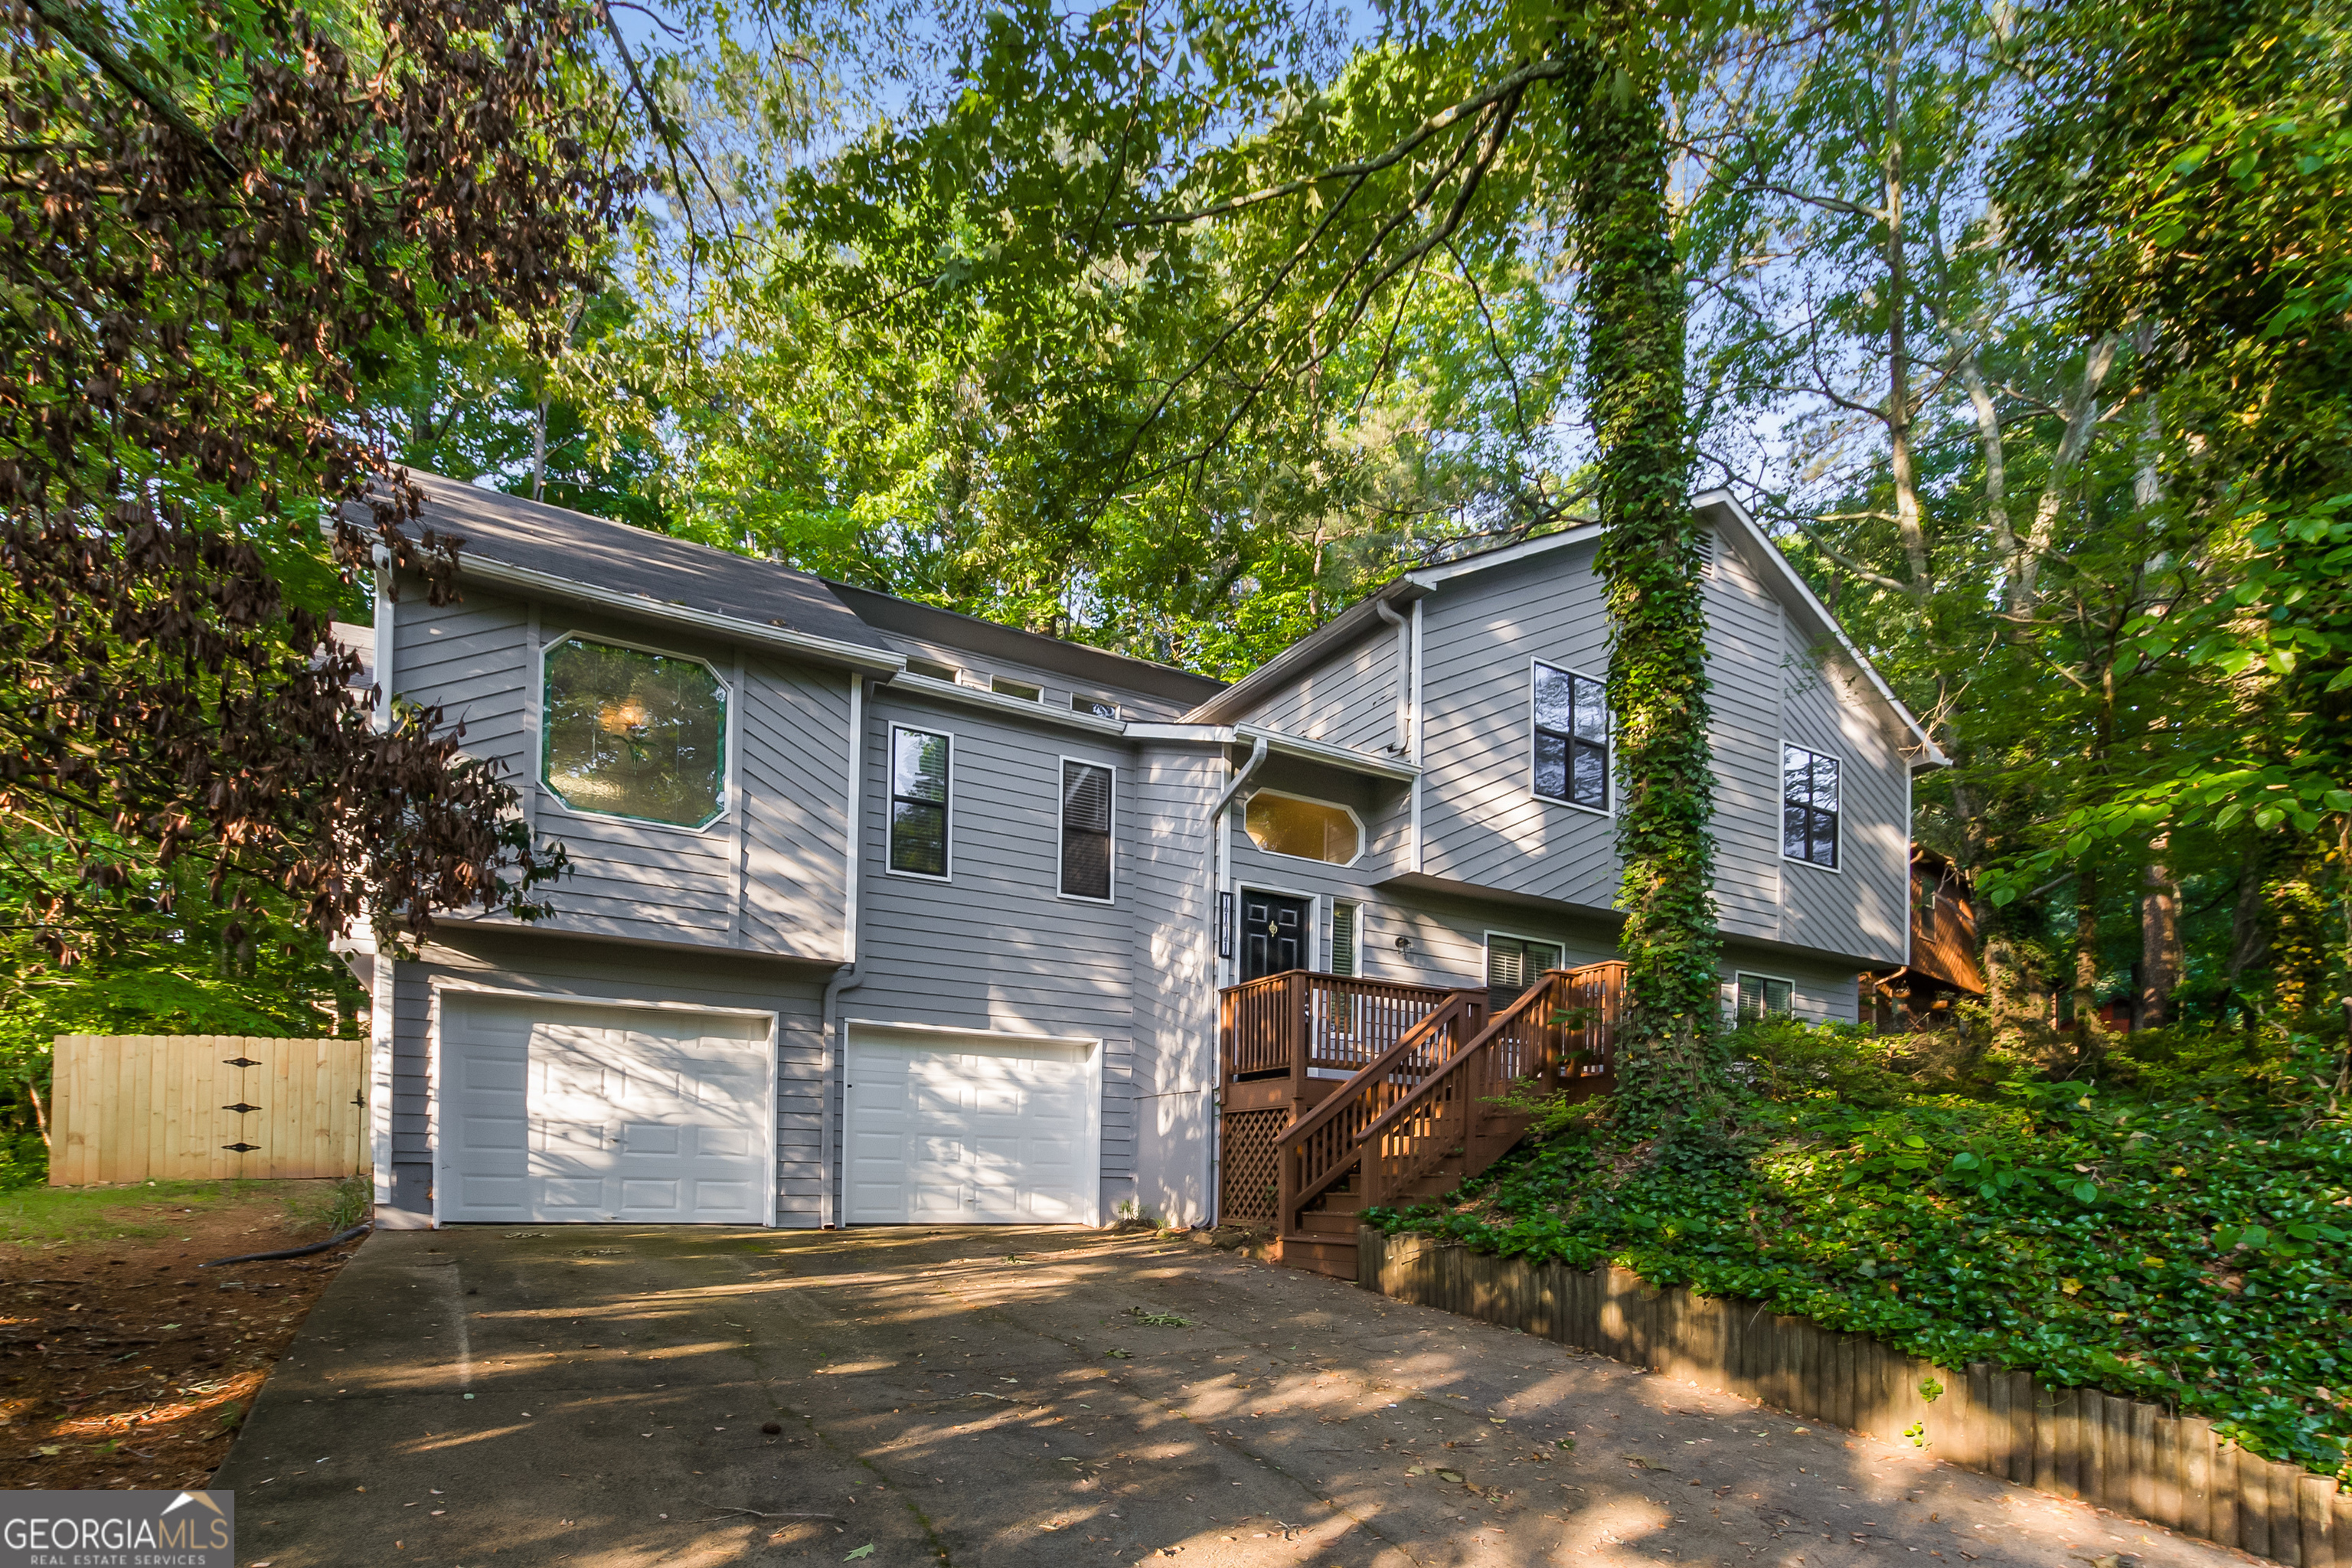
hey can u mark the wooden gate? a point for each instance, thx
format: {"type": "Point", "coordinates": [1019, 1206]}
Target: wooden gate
{"type": "Point", "coordinates": [132, 1108]}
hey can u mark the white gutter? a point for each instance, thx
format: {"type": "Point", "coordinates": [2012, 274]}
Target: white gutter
{"type": "Point", "coordinates": [1223, 863]}
{"type": "Point", "coordinates": [729, 627]}
{"type": "Point", "coordinates": [1387, 612]}
{"type": "Point", "coordinates": [846, 978]}
{"type": "Point", "coordinates": [1413, 755]}
{"type": "Point", "coordinates": [382, 717]}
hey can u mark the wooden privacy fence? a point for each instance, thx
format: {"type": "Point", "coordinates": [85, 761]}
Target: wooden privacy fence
{"type": "Point", "coordinates": [2123, 1454]}
{"type": "Point", "coordinates": [131, 1107]}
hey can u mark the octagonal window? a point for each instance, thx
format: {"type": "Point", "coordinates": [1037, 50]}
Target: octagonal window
{"type": "Point", "coordinates": [1311, 829]}
{"type": "Point", "coordinates": [637, 734]}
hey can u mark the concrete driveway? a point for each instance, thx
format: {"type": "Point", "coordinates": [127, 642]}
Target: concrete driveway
{"type": "Point", "coordinates": [896, 1397]}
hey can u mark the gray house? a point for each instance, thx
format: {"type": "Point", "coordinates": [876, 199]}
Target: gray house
{"type": "Point", "coordinates": [881, 913]}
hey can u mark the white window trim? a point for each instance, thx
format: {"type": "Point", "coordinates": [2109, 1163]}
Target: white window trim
{"type": "Point", "coordinates": [1486, 948]}
{"type": "Point", "coordinates": [1731, 1012]}
{"type": "Point", "coordinates": [727, 801]}
{"type": "Point", "coordinates": [997, 682]}
{"type": "Point", "coordinates": [889, 797]}
{"type": "Point", "coordinates": [1314, 933]}
{"type": "Point", "coordinates": [1780, 820]}
{"type": "Point", "coordinates": [1611, 760]}
{"type": "Point", "coordinates": [1363, 834]}
{"type": "Point", "coordinates": [1061, 804]}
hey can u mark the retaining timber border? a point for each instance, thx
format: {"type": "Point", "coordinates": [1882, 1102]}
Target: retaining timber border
{"type": "Point", "coordinates": [2122, 1454]}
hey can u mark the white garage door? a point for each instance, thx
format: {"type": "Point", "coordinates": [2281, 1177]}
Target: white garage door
{"type": "Point", "coordinates": [561, 1111]}
{"type": "Point", "coordinates": [970, 1128]}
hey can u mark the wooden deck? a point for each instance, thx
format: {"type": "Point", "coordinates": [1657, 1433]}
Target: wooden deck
{"type": "Point", "coordinates": [1338, 1094]}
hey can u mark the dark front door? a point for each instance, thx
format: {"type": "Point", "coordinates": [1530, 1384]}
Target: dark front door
{"type": "Point", "coordinates": [1273, 934]}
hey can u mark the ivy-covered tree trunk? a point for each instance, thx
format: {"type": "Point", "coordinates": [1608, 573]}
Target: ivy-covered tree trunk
{"type": "Point", "coordinates": [1668, 1060]}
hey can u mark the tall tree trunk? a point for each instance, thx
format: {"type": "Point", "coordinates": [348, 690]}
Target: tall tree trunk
{"type": "Point", "coordinates": [2249, 925]}
{"type": "Point", "coordinates": [2160, 956]}
{"type": "Point", "coordinates": [2088, 1029]}
{"type": "Point", "coordinates": [1669, 1059]}
{"type": "Point", "coordinates": [2081, 417]}
{"type": "Point", "coordinates": [1909, 524]}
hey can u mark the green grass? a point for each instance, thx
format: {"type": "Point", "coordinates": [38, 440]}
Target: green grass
{"type": "Point", "coordinates": [36, 1216]}
{"type": "Point", "coordinates": [2179, 1228]}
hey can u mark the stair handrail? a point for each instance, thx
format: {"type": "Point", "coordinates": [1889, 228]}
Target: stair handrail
{"type": "Point", "coordinates": [1373, 1071]}
{"type": "Point", "coordinates": [1556, 986]}
{"type": "Point", "coordinates": [1426, 1089]}
{"type": "Point", "coordinates": [1292, 1197]}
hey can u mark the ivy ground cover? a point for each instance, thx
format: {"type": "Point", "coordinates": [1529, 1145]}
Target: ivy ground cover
{"type": "Point", "coordinates": [2180, 1235]}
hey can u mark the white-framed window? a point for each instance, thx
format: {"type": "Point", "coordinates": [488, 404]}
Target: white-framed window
{"type": "Point", "coordinates": [633, 733]}
{"type": "Point", "coordinates": [1809, 807]}
{"type": "Point", "coordinates": [1005, 686]}
{"type": "Point", "coordinates": [1096, 707]}
{"type": "Point", "coordinates": [1089, 806]}
{"type": "Point", "coordinates": [932, 669]}
{"type": "Point", "coordinates": [1347, 938]}
{"type": "Point", "coordinates": [1515, 963]}
{"type": "Point", "coordinates": [1303, 828]}
{"type": "Point", "coordinates": [923, 782]}
{"type": "Point", "coordinates": [1571, 762]}
{"type": "Point", "coordinates": [1755, 996]}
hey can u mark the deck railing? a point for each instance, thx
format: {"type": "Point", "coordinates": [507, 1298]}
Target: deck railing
{"type": "Point", "coordinates": [1309, 1024]}
{"type": "Point", "coordinates": [1432, 1095]}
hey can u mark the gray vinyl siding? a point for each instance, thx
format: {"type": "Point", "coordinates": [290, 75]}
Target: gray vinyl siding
{"type": "Point", "coordinates": [1175, 968]}
{"type": "Point", "coordinates": [768, 876]}
{"type": "Point", "coordinates": [557, 969]}
{"type": "Point", "coordinates": [1482, 821]}
{"type": "Point", "coordinates": [468, 659]}
{"type": "Point", "coordinates": [1348, 699]}
{"type": "Point", "coordinates": [1863, 908]}
{"type": "Point", "coordinates": [1448, 936]}
{"type": "Point", "coordinates": [793, 775]}
{"type": "Point", "coordinates": [994, 947]}
{"type": "Point", "coordinates": [1826, 991]}
{"type": "Point", "coordinates": [1743, 664]}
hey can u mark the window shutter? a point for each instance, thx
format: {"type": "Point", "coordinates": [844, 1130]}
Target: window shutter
{"type": "Point", "coordinates": [1343, 938]}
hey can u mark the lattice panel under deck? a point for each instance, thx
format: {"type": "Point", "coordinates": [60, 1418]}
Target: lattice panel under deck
{"type": "Point", "coordinates": [1247, 1170]}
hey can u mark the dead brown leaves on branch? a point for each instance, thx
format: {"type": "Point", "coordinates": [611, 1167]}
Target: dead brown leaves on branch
{"type": "Point", "coordinates": [187, 291]}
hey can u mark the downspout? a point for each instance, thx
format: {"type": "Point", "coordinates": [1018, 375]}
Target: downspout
{"type": "Point", "coordinates": [1223, 875]}
{"type": "Point", "coordinates": [1387, 612]}
{"type": "Point", "coordinates": [847, 978]}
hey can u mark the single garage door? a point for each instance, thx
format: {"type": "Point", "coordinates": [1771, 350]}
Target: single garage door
{"type": "Point", "coordinates": [969, 1128]}
{"type": "Point", "coordinates": [557, 1112]}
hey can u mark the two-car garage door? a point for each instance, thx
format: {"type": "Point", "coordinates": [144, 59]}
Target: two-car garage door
{"type": "Point", "coordinates": [556, 1111]}
{"type": "Point", "coordinates": [969, 1128]}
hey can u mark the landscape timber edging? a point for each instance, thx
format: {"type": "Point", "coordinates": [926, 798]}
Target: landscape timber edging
{"type": "Point", "coordinates": [2122, 1454]}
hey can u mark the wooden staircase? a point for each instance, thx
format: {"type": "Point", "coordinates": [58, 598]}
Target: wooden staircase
{"type": "Point", "coordinates": [1420, 1118]}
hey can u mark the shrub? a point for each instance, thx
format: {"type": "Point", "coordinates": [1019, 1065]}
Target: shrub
{"type": "Point", "coordinates": [2181, 1230]}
